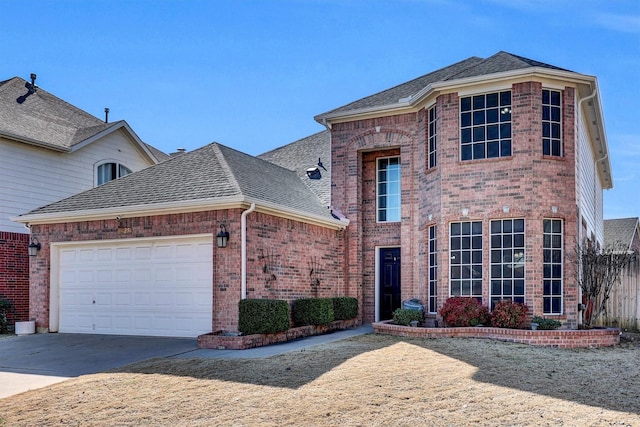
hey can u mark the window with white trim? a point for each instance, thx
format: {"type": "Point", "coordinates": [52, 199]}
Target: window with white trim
{"type": "Point", "coordinates": [465, 278]}
{"type": "Point", "coordinates": [388, 189]}
{"type": "Point", "coordinates": [551, 122]}
{"type": "Point", "coordinates": [507, 260]}
{"type": "Point", "coordinates": [433, 269]}
{"type": "Point", "coordinates": [552, 276]}
{"type": "Point", "coordinates": [433, 137]}
{"type": "Point", "coordinates": [109, 171]}
{"type": "Point", "coordinates": [485, 126]}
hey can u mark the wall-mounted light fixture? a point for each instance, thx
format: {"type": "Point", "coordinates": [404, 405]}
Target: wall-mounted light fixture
{"type": "Point", "coordinates": [34, 247]}
{"type": "Point", "coordinates": [505, 209]}
{"type": "Point", "coordinates": [554, 209]}
{"type": "Point", "coordinates": [465, 211]}
{"type": "Point", "coordinates": [222, 237]}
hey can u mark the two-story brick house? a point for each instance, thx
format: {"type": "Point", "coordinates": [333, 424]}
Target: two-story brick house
{"type": "Point", "coordinates": [478, 179]}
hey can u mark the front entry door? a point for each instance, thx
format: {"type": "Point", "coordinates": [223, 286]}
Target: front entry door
{"type": "Point", "coordinates": [389, 282]}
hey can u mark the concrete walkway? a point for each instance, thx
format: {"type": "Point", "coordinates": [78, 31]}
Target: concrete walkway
{"type": "Point", "coordinates": [33, 361]}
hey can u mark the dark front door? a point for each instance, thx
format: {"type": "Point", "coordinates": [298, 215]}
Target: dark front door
{"type": "Point", "coordinates": [389, 282]}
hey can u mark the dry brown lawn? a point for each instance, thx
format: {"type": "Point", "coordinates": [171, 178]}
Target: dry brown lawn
{"type": "Point", "coordinates": [370, 380]}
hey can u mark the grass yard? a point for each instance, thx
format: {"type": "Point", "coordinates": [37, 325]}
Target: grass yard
{"type": "Point", "coordinates": [370, 380]}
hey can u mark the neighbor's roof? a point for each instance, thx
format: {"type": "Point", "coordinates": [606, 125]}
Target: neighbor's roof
{"type": "Point", "coordinates": [214, 176]}
{"type": "Point", "coordinates": [470, 67]}
{"type": "Point", "coordinates": [42, 119]}
{"type": "Point", "coordinates": [311, 152]}
{"type": "Point", "coordinates": [620, 232]}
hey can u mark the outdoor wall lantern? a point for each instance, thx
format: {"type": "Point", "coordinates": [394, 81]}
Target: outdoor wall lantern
{"type": "Point", "coordinates": [34, 247]}
{"type": "Point", "coordinates": [222, 236]}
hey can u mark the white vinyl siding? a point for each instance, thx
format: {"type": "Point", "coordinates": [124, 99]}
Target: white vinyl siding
{"type": "Point", "coordinates": [31, 177]}
{"type": "Point", "coordinates": [590, 197]}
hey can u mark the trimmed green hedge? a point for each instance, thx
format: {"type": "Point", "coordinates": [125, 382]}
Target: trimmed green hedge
{"type": "Point", "coordinates": [263, 316]}
{"type": "Point", "coordinates": [404, 316]}
{"type": "Point", "coordinates": [312, 311]}
{"type": "Point", "coordinates": [345, 308]}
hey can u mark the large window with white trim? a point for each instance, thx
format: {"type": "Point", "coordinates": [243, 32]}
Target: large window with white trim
{"type": "Point", "coordinates": [433, 269]}
{"type": "Point", "coordinates": [485, 126]}
{"type": "Point", "coordinates": [551, 122]}
{"type": "Point", "coordinates": [109, 171]}
{"type": "Point", "coordinates": [552, 255]}
{"type": "Point", "coordinates": [507, 260]}
{"type": "Point", "coordinates": [466, 259]}
{"type": "Point", "coordinates": [388, 189]}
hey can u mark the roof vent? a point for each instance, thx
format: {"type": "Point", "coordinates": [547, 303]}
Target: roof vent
{"type": "Point", "coordinates": [314, 173]}
{"type": "Point", "coordinates": [32, 87]}
{"type": "Point", "coordinates": [106, 114]}
{"type": "Point", "coordinates": [178, 152]}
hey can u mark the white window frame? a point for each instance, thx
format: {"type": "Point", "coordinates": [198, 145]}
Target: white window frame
{"type": "Point", "coordinates": [432, 141]}
{"type": "Point", "coordinates": [502, 110]}
{"type": "Point", "coordinates": [432, 305]}
{"type": "Point", "coordinates": [550, 265]}
{"type": "Point", "coordinates": [453, 253]}
{"type": "Point", "coordinates": [497, 261]}
{"type": "Point", "coordinates": [551, 123]}
{"type": "Point", "coordinates": [387, 195]}
{"type": "Point", "coordinates": [119, 166]}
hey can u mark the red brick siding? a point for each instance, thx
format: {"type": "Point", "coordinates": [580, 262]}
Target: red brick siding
{"type": "Point", "coordinates": [295, 248]}
{"type": "Point", "coordinates": [14, 273]}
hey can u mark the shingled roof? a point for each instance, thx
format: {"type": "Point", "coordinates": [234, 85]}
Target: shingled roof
{"type": "Point", "coordinates": [213, 174]}
{"type": "Point", "coordinates": [40, 118]}
{"type": "Point", "coordinates": [307, 153]}
{"type": "Point", "coordinates": [620, 231]}
{"type": "Point", "coordinates": [470, 67]}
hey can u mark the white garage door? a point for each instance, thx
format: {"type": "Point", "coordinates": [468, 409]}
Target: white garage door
{"type": "Point", "coordinates": [137, 287]}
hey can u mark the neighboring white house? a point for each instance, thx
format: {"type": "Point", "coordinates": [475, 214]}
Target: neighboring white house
{"type": "Point", "coordinates": [49, 150]}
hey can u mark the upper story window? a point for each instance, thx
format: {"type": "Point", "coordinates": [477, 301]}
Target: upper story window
{"type": "Point", "coordinates": [433, 137]}
{"type": "Point", "coordinates": [109, 171]}
{"type": "Point", "coordinates": [551, 123]}
{"type": "Point", "coordinates": [388, 175]}
{"type": "Point", "coordinates": [485, 126]}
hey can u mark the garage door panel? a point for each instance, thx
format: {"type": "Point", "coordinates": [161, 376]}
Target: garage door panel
{"type": "Point", "coordinates": [161, 288]}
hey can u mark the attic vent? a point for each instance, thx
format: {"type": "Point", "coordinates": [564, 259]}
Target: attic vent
{"type": "Point", "coordinates": [32, 87]}
{"type": "Point", "coordinates": [314, 173]}
{"type": "Point", "coordinates": [178, 152]}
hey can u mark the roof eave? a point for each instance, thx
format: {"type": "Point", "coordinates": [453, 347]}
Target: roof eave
{"type": "Point", "coordinates": [34, 142]}
{"type": "Point", "coordinates": [416, 100]}
{"type": "Point", "coordinates": [232, 202]}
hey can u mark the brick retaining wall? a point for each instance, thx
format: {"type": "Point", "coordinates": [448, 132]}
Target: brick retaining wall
{"type": "Point", "coordinates": [561, 338]}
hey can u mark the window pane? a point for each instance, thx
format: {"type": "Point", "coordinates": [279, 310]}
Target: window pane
{"type": "Point", "coordinates": [478, 102]}
{"type": "Point", "coordinates": [465, 104]}
{"type": "Point", "coordinates": [492, 100]}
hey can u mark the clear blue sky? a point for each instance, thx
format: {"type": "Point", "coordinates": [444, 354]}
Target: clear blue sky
{"type": "Point", "coordinates": [252, 74]}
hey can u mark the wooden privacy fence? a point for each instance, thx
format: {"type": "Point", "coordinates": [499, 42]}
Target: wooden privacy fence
{"type": "Point", "coordinates": [623, 307]}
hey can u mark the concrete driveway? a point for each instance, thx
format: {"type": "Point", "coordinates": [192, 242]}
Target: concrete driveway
{"type": "Point", "coordinates": [32, 361]}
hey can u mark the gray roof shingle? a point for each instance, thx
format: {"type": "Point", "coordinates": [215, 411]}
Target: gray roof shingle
{"type": "Point", "coordinates": [470, 67]}
{"type": "Point", "coordinates": [620, 231]}
{"type": "Point", "coordinates": [45, 119]}
{"type": "Point", "coordinates": [304, 154]}
{"type": "Point", "coordinates": [208, 173]}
